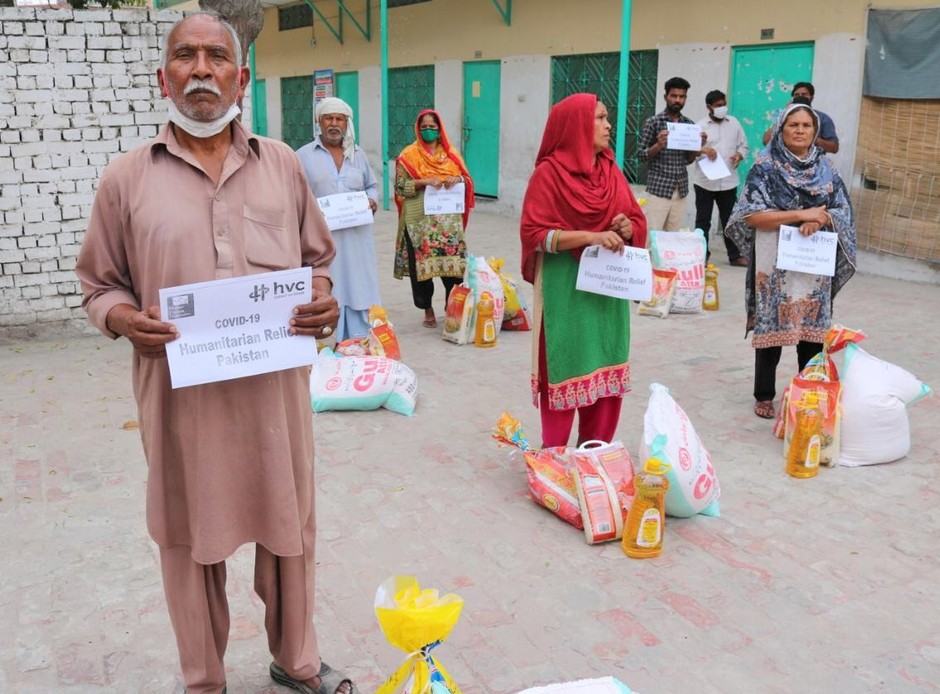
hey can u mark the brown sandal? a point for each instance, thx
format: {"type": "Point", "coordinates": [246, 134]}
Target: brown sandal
{"type": "Point", "coordinates": [764, 409]}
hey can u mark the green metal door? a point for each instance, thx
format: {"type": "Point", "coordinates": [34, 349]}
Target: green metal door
{"type": "Point", "coordinates": [297, 110]}
{"type": "Point", "coordinates": [762, 78]}
{"type": "Point", "coordinates": [481, 125]}
{"type": "Point", "coordinates": [599, 73]}
{"type": "Point", "coordinates": [259, 109]}
{"type": "Point", "coordinates": [410, 91]}
{"type": "Point", "coordinates": [347, 89]}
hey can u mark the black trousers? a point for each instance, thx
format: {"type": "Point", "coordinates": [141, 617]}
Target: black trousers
{"type": "Point", "coordinates": [765, 366]}
{"type": "Point", "coordinates": [423, 291]}
{"type": "Point", "coordinates": [704, 204]}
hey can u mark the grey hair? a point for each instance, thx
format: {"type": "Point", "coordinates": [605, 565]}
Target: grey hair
{"type": "Point", "coordinates": [165, 46]}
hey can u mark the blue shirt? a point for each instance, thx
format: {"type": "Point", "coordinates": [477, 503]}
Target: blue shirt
{"type": "Point", "coordinates": [354, 269]}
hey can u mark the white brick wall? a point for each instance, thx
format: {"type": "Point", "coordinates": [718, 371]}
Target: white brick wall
{"type": "Point", "coordinates": [77, 89]}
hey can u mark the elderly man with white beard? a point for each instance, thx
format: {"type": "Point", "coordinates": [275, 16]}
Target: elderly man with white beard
{"type": "Point", "coordinates": [229, 462]}
{"type": "Point", "coordinates": [334, 164]}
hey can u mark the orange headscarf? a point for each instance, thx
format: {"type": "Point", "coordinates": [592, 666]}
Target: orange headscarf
{"type": "Point", "coordinates": [440, 159]}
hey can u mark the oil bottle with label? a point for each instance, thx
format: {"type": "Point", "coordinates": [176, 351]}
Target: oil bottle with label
{"type": "Point", "coordinates": [646, 520]}
{"type": "Point", "coordinates": [710, 298]}
{"type": "Point", "coordinates": [806, 444]}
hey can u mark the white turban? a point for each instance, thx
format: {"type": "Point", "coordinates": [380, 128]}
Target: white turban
{"type": "Point", "coordinates": [333, 105]}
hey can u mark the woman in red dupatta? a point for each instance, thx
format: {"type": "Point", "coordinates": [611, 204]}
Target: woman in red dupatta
{"type": "Point", "coordinates": [432, 245]}
{"type": "Point", "coordinates": [577, 197]}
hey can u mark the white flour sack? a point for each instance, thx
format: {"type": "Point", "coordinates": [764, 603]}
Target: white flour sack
{"type": "Point", "coordinates": [875, 396]}
{"type": "Point", "coordinates": [693, 484]}
{"type": "Point", "coordinates": [684, 252]}
{"type": "Point", "coordinates": [362, 383]}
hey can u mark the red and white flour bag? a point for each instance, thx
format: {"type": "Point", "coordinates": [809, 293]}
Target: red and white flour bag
{"type": "Point", "coordinates": [684, 252]}
{"type": "Point", "coordinates": [362, 383]}
{"type": "Point", "coordinates": [693, 484]}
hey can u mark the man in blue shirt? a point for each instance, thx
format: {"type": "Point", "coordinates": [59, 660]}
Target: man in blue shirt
{"type": "Point", "coordinates": [334, 163]}
{"type": "Point", "coordinates": [826, 138]}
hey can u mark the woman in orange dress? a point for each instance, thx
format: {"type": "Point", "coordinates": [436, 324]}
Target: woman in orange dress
{"type": "Point", "coordinates": [430, 245]}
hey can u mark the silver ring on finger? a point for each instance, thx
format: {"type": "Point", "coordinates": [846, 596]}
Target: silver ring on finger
{"type": "Point", "coordinates": [327, 331]}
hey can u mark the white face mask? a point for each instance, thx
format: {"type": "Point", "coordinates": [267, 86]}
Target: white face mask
{"type": "Point", "coordinates": [202, 129]}
{"type": "Point", "coordinates": [720, 112]}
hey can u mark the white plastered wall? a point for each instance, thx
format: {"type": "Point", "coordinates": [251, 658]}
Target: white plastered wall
{"type": "Point", "coordinates": [525, 99]}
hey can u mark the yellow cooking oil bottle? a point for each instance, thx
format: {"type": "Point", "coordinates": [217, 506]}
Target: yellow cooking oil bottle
{"type": "Point", "coordinates": [710, 298]}
{"type": "Point", "coordinates": [806, 444]}
{"type": "Point", "coordinates": [646, 520]}
{"type": "Point", "coordinates": [485, 330]}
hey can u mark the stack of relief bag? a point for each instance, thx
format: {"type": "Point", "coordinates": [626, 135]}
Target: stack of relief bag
{"type": "Point", "coordinates": [865, 419]}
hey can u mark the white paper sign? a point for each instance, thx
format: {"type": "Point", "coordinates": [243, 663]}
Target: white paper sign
{"type": "Point", "coordinates": [714, 169]}
{"type": "Point", "coordinates": [444, 200]}
{"type": "Point", "coordinates": [814, 254]}
{"type": "Point", "coordinates": [684, 136]}
{"type": "Point", "coordinates": [345, 210]}
{"type": "Point", "coordinates": [626, 276]}
{"type": "Point", "coordinates": [236, 327]}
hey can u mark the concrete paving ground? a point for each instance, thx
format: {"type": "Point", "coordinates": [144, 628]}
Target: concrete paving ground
{"type": "Point", "coordinates": [820, 585]}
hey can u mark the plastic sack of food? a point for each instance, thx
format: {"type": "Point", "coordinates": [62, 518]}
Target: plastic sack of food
{"type": "Point", "coordinates": [458, 315]}
{"type": "Point", "coordinates": [875, 396]}
{"type": "Point", "coordinates": [597, 685]}
{"type": "Point", "coordinates": [828, 394]}
{"type": "Point", "coordinates": [693, 484]}
{"type": "Point", "coordinates": [603, 477]}
{"type": "Point", "coordinates": [548, 476]}
{"type": "Point", "coordinates": [664, 287]}
{"type": "Point", "coordinates": [416, 621]}
{"type": "Point", "coordinates": [480, 277]}
{"type": "Point", "coordinates": [382, 340]}
{"type": "Point", "coordinates": [352, 347]}
{"type": "Point", "coordinates": [821, 377]}
{"type": "Point", "coordinates": [362, 383]}
{"type": "Point", "coordinates": [684, 252]}
{"type": "Point", "coordinates": [516, 312]}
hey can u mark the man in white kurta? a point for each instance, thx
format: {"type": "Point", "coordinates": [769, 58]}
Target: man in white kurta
{"type": "Point", "coordinates": [724, 138]}
{"type": "Point", "coordinates": [228, 462]}
{"type": "Point", "coordinates": [334, 163]}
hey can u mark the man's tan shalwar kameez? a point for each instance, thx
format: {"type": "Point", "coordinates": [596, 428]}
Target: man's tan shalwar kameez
{"type": "Point", "coordinates": [229, 462]}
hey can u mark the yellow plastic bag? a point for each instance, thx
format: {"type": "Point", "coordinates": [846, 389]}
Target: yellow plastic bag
{"type": "Point", "coordinates": [416, 621]}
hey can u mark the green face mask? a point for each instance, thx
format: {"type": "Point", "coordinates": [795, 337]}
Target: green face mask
{"type": "Point", "coordinates": [430, 135]}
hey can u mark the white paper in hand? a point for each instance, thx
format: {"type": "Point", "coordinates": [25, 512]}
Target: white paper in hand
{"type": "Point", "coordinates": [623, 276]}
{"type": "Point", "coordinates": [814, 254]}
{"type": "Point", "coordinates": [444, 200]}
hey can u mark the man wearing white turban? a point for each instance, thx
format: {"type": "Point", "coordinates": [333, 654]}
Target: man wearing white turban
{"type": "Point", "coordinates": [334, 163]}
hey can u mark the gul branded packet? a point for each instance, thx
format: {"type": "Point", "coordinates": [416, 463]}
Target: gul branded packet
{"type": "Point", "coordinates": [664, 286]}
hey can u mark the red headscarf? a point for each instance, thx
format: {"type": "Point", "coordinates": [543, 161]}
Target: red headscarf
{"type": "Point", "coordinates": [571, 187]}
{"type": "Point", "coordinates": [423, 161]}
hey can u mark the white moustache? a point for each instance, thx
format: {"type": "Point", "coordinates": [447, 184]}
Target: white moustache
{"type": "Point", "coordinates": [201, 85]}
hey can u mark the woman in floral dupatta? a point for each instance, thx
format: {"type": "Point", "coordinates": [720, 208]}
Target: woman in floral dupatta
{"type": "Point", "coordinates": [577, 197]}
{"type": "Point", "coordinates": [792, 183]}
{"type": "Point", "coordinates": [430, 245]}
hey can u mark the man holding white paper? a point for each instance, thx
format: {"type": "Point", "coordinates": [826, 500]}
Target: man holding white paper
{"type": "Point", "coordinates": [228, 462]}
{"type": "Point", "coordinates": [725, 148]}
{"type": "Point", "coordinates": [667, 183]}
{"type": "Point", "coordinates": [335, 164]}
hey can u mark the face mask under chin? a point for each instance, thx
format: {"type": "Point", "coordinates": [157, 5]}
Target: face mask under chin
{"type": "Point", "coordinates": [202, 129]}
